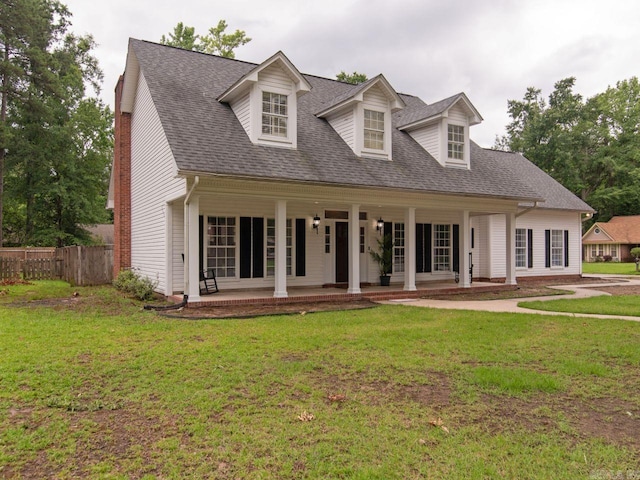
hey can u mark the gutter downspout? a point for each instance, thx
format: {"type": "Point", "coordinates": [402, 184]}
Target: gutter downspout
{"type": "Point", "coordinates": [522, 212]}
{"type": "Point", "coordinates": [187, 200]}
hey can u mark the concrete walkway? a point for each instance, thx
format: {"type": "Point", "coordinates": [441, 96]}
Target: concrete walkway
{"type": "Point", "coordinates": [511, 304]}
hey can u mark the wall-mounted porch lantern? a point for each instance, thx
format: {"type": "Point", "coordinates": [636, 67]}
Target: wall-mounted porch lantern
{"type": "Point", "coordinates": [380, 225]}
{"type": "Point", "coordinates": [316, 223]}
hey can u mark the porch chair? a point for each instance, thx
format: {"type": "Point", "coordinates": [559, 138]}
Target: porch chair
{"type": "Point", "coordinates": [208, 283]}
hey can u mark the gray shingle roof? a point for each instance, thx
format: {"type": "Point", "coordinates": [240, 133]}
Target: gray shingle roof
{"type": "Point", "coordinates": [206, 137]}
{"type": "Point", "coordinates": [556, 197]}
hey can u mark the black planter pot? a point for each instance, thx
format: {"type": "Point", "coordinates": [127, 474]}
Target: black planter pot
{"type": "Point", "coordinates": [385, 281]}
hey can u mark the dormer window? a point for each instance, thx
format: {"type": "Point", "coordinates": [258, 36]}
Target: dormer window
{"type": "Point", "coordinates": [373, 130]}
{"type": "Point", "coordinates": [265, 102]}
{"type": "Point", "coordinates": [274, 114]}
{"type": "Point", "coordinates": [455, 146]}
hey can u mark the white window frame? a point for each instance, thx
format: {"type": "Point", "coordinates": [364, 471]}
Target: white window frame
{"type": "Point", "coordinates": [273, 115]}
{"type": "Point", "coordinates": [224, 246]}
{"type": "Point", "coordinates": [521, 248]}
{"type": "Point", "coordinates": [290, 141]}
{"type": "Point", "coordinates": [373, 129]}
{"type": "Point", "coordinates": [442, 245]}
{"type": "Point", "coordinates": [398, 247]}
{"type": "Point", "coordinates": [456, 142]}
{"type": "Point", "coordinates": [557, 248]}
{"type": "Point", "coordinates": [270, 248]}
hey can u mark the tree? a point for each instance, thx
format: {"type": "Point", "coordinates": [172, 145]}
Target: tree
{"type": "Point", "coordinates": [182, 37]}
{"type": "Point", "coordinates": [216, 42]}
{"type": "Point", "coordinates": [27, 30]}
{"type": "Point", "coordinates": [57, 143]}
{"type": "Point", "coordinates": [219, 43]}
{"type": "Point", "coordinates": [354, 78]}
{"type": "Point", "coordinates": [590, 146]}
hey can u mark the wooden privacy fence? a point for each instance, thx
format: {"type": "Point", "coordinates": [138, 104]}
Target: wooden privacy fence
{"type": "Point", "coordinates": [78, 265]}
{"type": "Point", "coordinates": [84, 266]}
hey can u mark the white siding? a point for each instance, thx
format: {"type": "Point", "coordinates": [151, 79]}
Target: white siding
{"type": "Point", "coordinates": [153, 181]}
{"type": "Point", "coordinates": [344, 125]}
{"type": "Point", "coordinates": [242, 109]}
{"type": "Point", "coordinates": [177, 233]}
{"type": "Point", "coordinates": [276, 78]}
{"type": "Point", "coordinates": [429, 139]}
{"type": "Point", "coordinates": [376, 99]}
{"type": "Point", "coordinates": [457, 115]}
{"type": "Point", "coordinates": [481, 250]}
{"type": "Point", "coordinates": [538, 221]}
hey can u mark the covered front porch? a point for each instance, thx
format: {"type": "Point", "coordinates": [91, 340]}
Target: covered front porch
{"type": "Point", "coordinates": [327, 294]}
{"type": "Point", "coordinates": [274, 241]}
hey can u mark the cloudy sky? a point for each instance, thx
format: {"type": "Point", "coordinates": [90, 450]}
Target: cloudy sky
{"type": "Point", "coordinates": [490, 49]}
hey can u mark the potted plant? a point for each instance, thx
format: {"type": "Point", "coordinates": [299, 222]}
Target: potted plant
{"type": "Point", "coordinates": [384, 258]}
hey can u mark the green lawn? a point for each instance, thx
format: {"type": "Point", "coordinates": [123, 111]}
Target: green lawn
{"type": "Point", "coordinates": [610, 268]}
{"type": "Point", "coordinates": [97, 388]}
{"type": "Point", "coordinates": [627, 305]}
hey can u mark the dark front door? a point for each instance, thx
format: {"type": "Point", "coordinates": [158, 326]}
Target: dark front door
{"type": "Point", "coordinates": [342, 252]}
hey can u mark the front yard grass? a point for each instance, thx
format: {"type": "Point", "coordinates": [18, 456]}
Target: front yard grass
{"type": "Point", "coordinates": [97, 388]}
{"type": "Point", "coordinates": [627, 305]}
{"type": "Point", "coordinates": [618, 268]}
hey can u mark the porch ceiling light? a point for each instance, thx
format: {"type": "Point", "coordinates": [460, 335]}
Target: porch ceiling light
{"type": "Point", "coordinates": [380, 225]}
{"type": "Point", "coordinates": [316, 223]}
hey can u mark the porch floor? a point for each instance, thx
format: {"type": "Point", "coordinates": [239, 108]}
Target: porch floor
{"type": "Point", "coordinates": [320, 294]}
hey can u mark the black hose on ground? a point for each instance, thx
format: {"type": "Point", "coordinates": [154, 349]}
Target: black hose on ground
{"type": "Point", "coordinates": [175, 306]}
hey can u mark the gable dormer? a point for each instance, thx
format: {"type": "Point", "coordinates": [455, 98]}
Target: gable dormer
{"type": "Point", "coordinates": [362, 117]}
{"type": "Point", "coordinates": [442, 129]}
{"type": "Point", "coordinates": [265, 101]}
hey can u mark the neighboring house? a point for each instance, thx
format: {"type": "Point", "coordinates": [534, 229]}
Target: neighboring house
{"type": "Point", "coordinates": [614, 238]}
{"type": "Point", "coordinates": [102, 233]}
{"type": "Point", "coordinates": [277, 179]}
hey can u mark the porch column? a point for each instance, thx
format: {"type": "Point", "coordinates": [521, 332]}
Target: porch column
{"type": "Point", "coordinates": [465, 248]}
{"type": "Point", "coordinates": [510, 278]}
{"type": "Point", "coordinates": [354, 249]}
{"type": "Point", "coordinates": [410, 249]}
{"type": "Point", "coordinates": [192, 247]}
{"type": "Point", "coordinates": [280, 290]}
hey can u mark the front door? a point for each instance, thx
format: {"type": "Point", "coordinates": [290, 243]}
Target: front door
{"type": "Point", "coordinates": [342, 252]}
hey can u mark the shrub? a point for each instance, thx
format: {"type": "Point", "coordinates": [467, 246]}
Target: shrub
{"type": "Point", "coordinates": [599, 259]}
{"type": "Point", "coordinates": [607, 258]}
{"type": "Point", "coordinates": [129, 282]}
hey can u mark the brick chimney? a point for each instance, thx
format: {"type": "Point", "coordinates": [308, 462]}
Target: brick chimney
{"type": "Point", "coordinates": [121, 186]}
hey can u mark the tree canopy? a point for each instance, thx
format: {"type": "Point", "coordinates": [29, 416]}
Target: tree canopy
{"type": "Point", "coordinates": [591, 146]}
{"type": "Point", "coordinates": [55, 142]}
{"type": "Point", "coordinates": [354, 77]}
{"type": "Point", "coordinates": [215, 42]}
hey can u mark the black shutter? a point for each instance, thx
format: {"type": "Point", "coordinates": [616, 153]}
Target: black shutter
{"type": "Point", "coordinates": [301, 245]}
{"type": "Point", "coordinates": [566, 248]}
{"type": "Point", "coordinates": [245, 247]}
{"type": "Point", "coordinates": [473, 238]}
{"type": "Point", "coordinates": [201, 242]}
{"type": "Point", "coordinates": [427, 247]}
{"type": "Point", "coordinates": [419, 247]}
{"type": "Point", "coordinates": [456, 248]}
{"type": "Point", "coordinates": [388, 230]}
{"type": "Point", "coordinates": [258, 247]}
{"type": "Point", "coordinates": [547, 248]}
{"type": "Point", "coordinates": [529, 248]}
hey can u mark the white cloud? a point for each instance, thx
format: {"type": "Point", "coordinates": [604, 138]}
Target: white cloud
{"type": "Point", "coordinates": [492, 50]}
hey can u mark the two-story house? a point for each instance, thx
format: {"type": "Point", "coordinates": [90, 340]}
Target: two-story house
{"type": "Point", "coordinates": [277, 179]}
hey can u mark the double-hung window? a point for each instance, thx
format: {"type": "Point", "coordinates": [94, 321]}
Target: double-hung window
{"type": "Point", "coordinates": [274, 114]}
{"type": "Point", "coordinates": [557, 248]}
{"type": "Point", "coordinates": [521, 247]}
{"type": "Point", "coordinates": [455, 145]}
{"type": "Point", "coordinates": [373, 130]}
{"type": "Point", "coordinates": [221, 246]}
{"type": "Point", "coordinates": [271, 247]}
{"type": "Point", "coordinates": [398, 247]}
{"type": "Point", "coordinates": [441, 248]}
